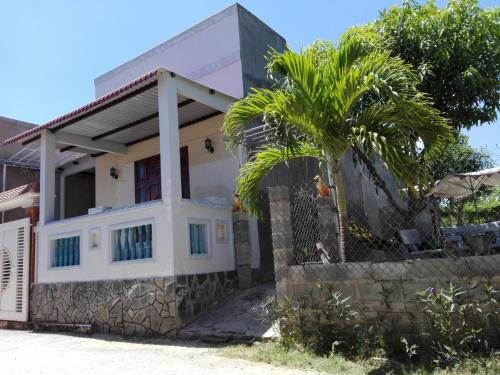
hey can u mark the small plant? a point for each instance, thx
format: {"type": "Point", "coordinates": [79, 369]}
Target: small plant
{"type": "Point", "coordinates": [289, 319]}
{"type": "Point", "coordinates": [411, 350]}
{"type": "Point", "coordinates": [492, 307]}
{"type": "Point", "coordinates": [451, 318]}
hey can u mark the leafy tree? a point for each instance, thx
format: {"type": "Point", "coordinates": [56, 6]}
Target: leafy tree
{"type": "Point", "coordinates": [455, 50]}
{"type": "Point", "coordinates": [330, 100]}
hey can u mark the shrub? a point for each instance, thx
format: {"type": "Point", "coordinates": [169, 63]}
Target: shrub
{"type": "Point", "coordinates": [455, 323]}
{"type": "Point", "coordinates": [326, 327]}
{"type": "Point", "coordinates": [328, 324]}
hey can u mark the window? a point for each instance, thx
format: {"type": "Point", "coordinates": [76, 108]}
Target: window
{"type": "Point", "coordinates": [198, 238]}
{"type": "Point", "coordinates": [66, 251]}
{"type": "Point", "coordinates": [133, 243]}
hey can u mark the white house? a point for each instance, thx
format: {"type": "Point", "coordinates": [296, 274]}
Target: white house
{"type": "Point", "coordinates": [156, 245]}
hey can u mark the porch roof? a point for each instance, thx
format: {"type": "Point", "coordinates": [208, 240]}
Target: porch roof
{"type": "Point", "coordinates": [124, 116]}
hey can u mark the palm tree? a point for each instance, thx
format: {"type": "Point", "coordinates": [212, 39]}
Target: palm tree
{"type": "Point", "coordinates": [328, 100]}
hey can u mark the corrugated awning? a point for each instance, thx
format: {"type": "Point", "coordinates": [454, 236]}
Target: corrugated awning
{"type": "Point", "coordinates": [75, 114]}
{"type": "Point", "coordinates": [126, 116]}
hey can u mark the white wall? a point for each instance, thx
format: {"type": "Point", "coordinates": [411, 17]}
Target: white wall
{"type": "Point", "coordinates": [210, 174]}
{"type": "Point", "coordinates": [208, 53]}
{"type": "Point", "coordinates": [220, 256]}
{"type": "Point", "coordinates": [97, 264]}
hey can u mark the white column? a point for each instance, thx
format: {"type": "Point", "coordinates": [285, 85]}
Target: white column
{"type": "Point", "coordinates": [47, 176]}
{"type": "Point", "coordinates": [169, 139]}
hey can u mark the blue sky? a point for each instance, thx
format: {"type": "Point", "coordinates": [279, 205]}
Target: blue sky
{"type": "Point", "coordinates": [50, 51]}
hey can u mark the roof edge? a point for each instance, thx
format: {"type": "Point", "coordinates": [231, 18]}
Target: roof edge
{"type": "Point", "coordinates": [87, 107]}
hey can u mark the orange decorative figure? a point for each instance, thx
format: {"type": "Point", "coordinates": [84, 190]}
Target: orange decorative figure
{"type": "Point", "coordinates": [321, 187]}
{"type": "Point", "coordinates": [237, 206]}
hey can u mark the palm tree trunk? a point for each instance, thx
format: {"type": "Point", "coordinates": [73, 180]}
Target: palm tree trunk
{"type": "Point", "coordinates": [342, 208]}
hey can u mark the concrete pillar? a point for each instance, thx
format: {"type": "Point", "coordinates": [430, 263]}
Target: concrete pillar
{"type": "Point", "coordinates": [169, 139]}
{"type": "Point", "coordinates": [171, 192]}
{"type": "Point", "coordinates": [242, 249]}
{"type": "Point", "coordinates": [47, 176]}
{"type": "Point", "coordinates": [281, 226]}
{"type": "Point", "coordinates": [329, 227]}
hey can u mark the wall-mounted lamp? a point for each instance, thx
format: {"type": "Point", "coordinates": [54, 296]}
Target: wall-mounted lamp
{"type": "Point", "coordinates": [209, 146]}
{"type": "Point", "coordinates": [112, 173]}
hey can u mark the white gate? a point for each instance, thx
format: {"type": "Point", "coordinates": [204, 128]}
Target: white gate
{"type": "Point", "coordinates": [14, 270]}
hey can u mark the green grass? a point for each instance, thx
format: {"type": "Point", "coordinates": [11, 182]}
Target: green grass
{"type": "Point", "coordinates": [273, 354]}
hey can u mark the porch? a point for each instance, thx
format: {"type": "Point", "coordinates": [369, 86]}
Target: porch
{"type": "Point", "coordinates": [162, 184]}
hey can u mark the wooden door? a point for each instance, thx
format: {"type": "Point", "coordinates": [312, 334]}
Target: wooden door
{"type": "Point", "coordinates": [186, 193]}
{"type": "Point", "coordinates": [148, 177]}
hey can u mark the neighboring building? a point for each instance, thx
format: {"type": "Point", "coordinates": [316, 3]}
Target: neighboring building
{"type": "Point", "coordinates": [18, 165]}
{"type": "Point", "coordinates": [149, 161]}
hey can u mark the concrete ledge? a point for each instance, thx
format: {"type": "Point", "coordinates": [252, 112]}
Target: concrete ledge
{"type": "Point", "coordinates": [480, 266]}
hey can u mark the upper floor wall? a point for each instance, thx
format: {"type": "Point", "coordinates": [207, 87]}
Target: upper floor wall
{"type": "Point", "coordinates": [210, 174]}
{"type": "Point", "coordinates": [225, 52]}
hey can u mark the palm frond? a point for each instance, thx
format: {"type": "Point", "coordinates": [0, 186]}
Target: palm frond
{"type": "Point", "coordinates": [261, 164]}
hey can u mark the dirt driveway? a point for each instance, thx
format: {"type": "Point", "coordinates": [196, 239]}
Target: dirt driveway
{"type": "Point", "coordinates": [23, 352]}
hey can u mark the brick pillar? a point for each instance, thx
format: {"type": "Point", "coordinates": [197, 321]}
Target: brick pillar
{"type": "Point", "coordinates": [242, 249]}
{"type": "Point", "coordinates": [281, 226]}
{"type": "Point", "coordinates": [329, 227]}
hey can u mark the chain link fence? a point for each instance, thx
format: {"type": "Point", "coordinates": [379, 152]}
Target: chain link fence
{"type": "Point", "coordinates": [305, 225]}
{"type": "Point", "coordinates": [403, 226]}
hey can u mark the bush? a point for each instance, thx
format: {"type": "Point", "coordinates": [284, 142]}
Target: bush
{"type": "Point", "coordinates": [327, 327]}
{"type": "Point", "coordinates": [453, 324]}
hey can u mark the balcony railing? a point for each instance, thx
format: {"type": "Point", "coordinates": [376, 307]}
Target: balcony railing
{"type": "Point", "coordinates": [66, 252]}
{"type": "Point", "coordinates": [133, 243]}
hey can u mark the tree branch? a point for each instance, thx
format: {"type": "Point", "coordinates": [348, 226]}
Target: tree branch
{"type": "Point", "coordinates": [378, 181]}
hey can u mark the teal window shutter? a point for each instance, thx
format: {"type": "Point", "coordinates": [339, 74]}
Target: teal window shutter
{"type": "Point", "coordinates": [197, 238]}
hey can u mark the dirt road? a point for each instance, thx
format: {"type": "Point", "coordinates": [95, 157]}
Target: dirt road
{"type": "Point", "coordinates": [28, 353]}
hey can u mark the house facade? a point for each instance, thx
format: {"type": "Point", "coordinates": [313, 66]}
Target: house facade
{"type": "Point", "coordinates": [154, 241]}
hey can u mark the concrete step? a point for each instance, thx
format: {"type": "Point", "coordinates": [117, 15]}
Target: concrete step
{"type": "Point", "coordinates": [85, 329]}
{"type": "Point", "coordinates": [235, 319]}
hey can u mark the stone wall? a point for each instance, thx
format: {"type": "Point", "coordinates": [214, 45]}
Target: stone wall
{"type": "Point", "coordinates": [138, 307]}
{"type": "Point", "coordinates": [196, 293]}
{"type": "Point", "coordinates": [389, 288]}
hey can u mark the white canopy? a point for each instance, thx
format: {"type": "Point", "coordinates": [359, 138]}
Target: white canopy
{"type": "Point", "coordinates": [464, 184]}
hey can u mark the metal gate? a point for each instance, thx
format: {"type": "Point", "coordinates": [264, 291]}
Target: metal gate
{"type": "Point", "coordinates": [14, 270]}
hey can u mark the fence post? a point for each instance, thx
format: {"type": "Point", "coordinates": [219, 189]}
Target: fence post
{"type": "Point", "coordinates": [329, 227]}
{"type": "Point", "coordinates": [242, 250]}
{"type": "Point", "coordinates": [281, 226]}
